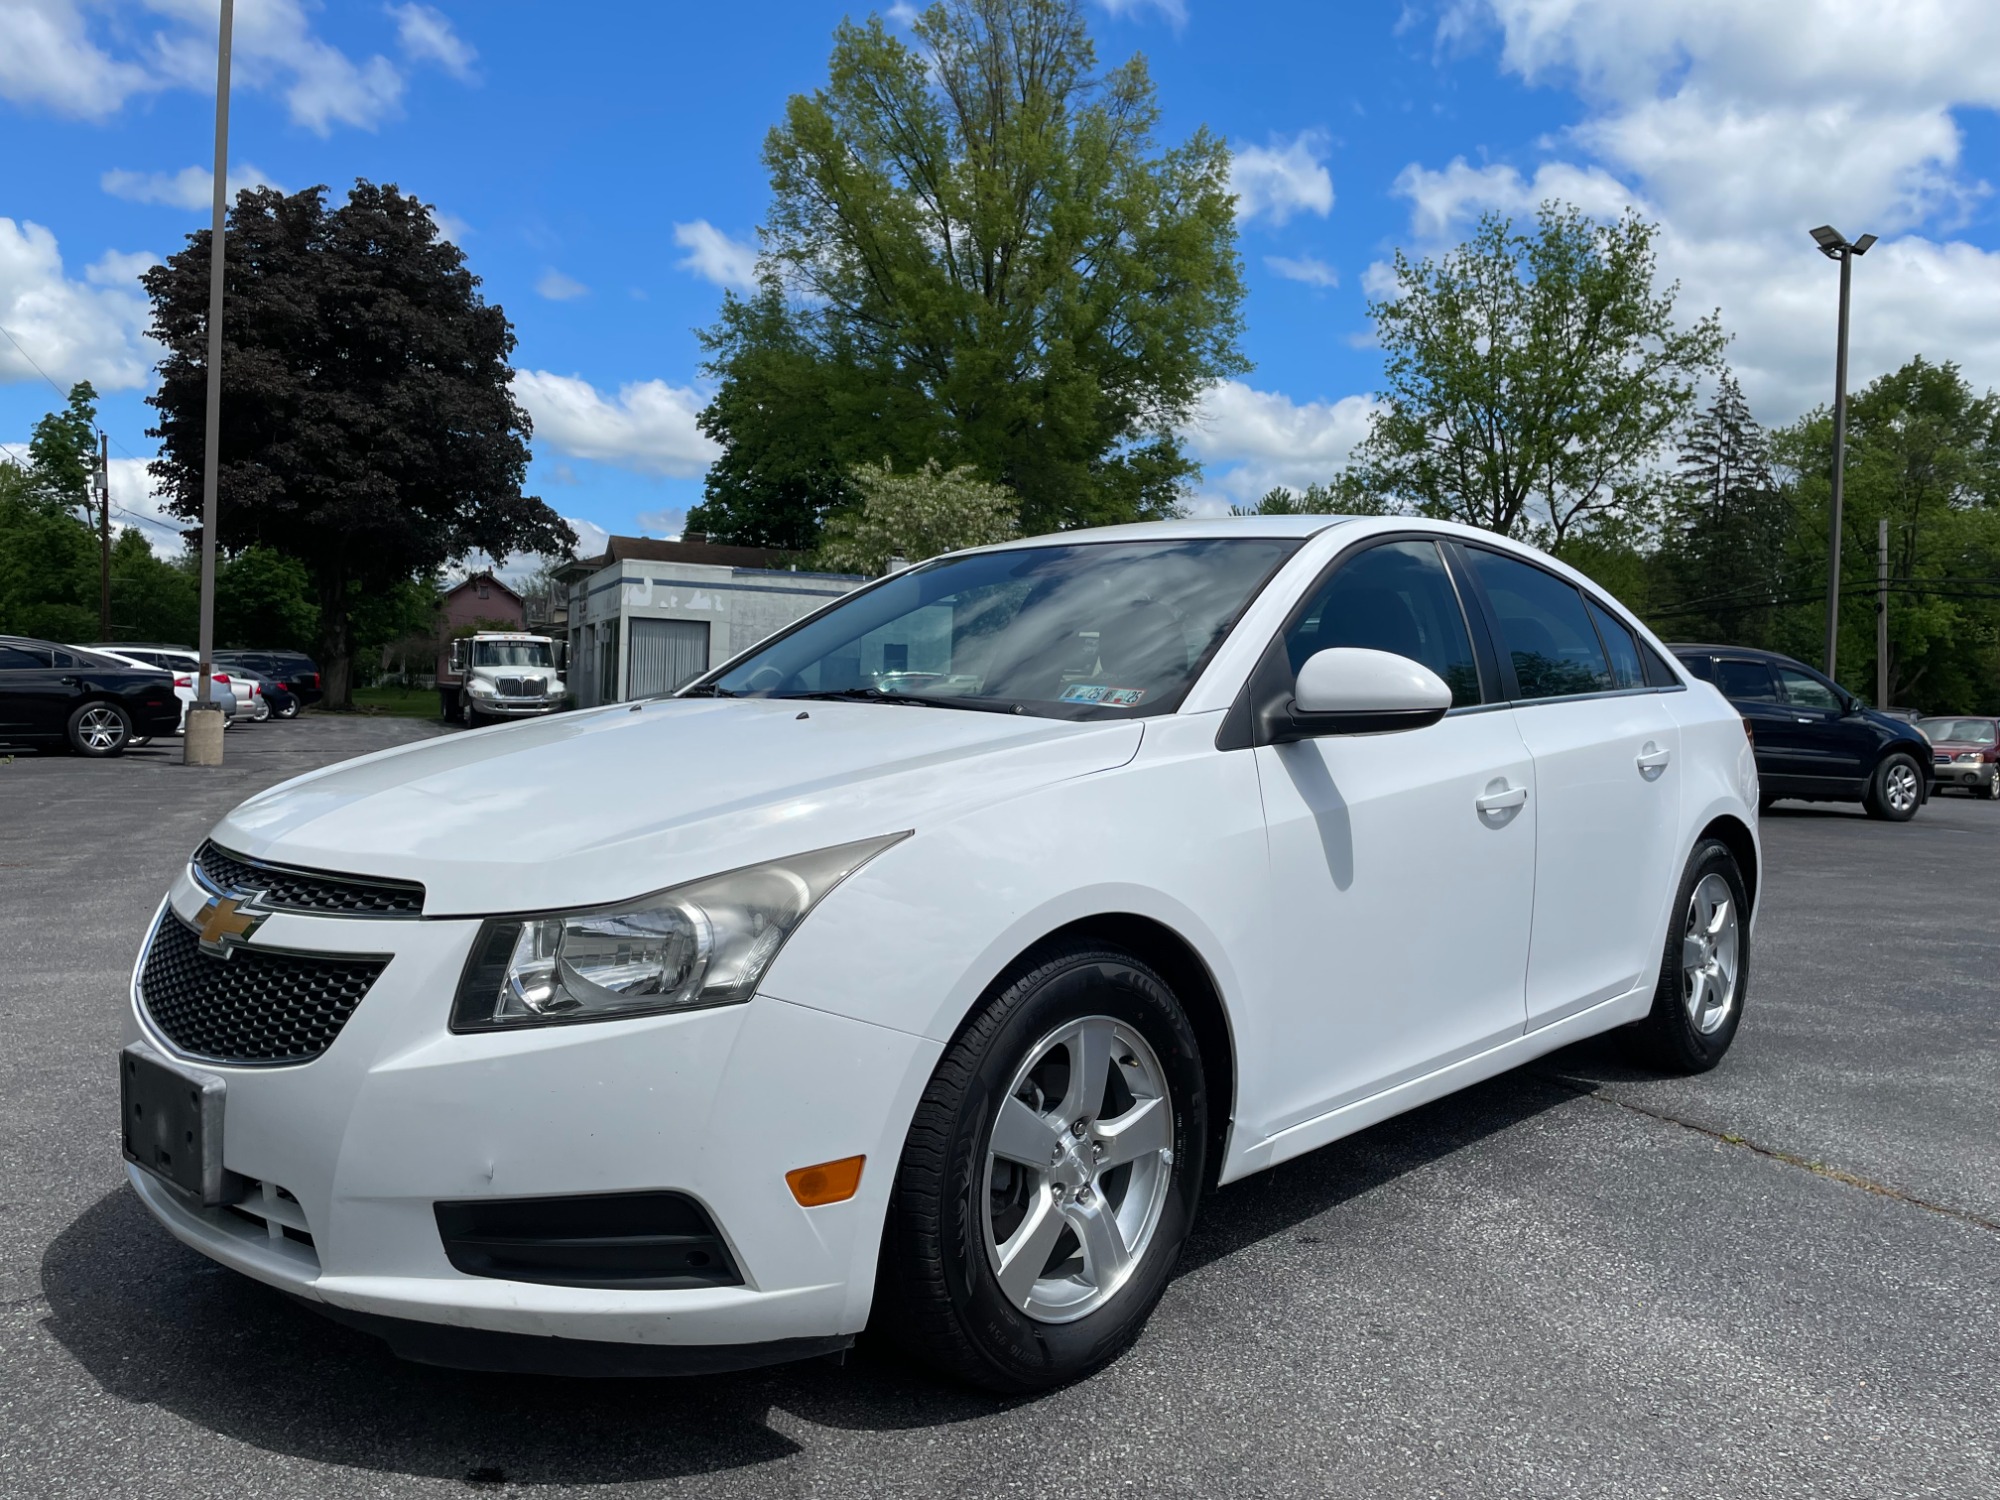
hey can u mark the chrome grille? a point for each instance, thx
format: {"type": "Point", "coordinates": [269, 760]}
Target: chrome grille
{"type": "Point", "coordinates": [283, 888]}
{"type": "Point", "coordinates": [508, 687]}
{"type": "Point", "coordinates": [254, 1006]}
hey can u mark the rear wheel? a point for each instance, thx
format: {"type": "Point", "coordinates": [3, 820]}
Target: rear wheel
{"type": "Point", "coordinates": [290, 710]}
{"type": "Point", "coordinates": [1050, 1176]}
{"type": "Point", "coordinates": [1705, 970]}
{"type": "Point", "coordinates": [99, 729]}
{"type": "Point", "coordinates": [1896, 790]}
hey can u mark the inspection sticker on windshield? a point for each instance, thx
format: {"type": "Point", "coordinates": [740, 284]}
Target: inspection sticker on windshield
{"type": "Point", "coordinates": [1111, 697]}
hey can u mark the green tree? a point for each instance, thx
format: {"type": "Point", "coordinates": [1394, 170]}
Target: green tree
{"type": "Point", "coordinates": [1347, 494]}
{"type": "Point", "coordinates": [152, 598]}
{"type": "Point", "coordinates": [368, 425]}
{"type": "Point", "coordinates": [915, 516]}
{"type": "Point", "coordinates": [63, 454]}
{"type": "Point", "coordinates": [1725, 529]}
{"type": "Point", "coordinates": [265, 599]}
{"type": "Point", "coordinates": [1923, 453]}
{"type": "Point", "coordinates": [976, 253]}
{"type": "Point", "coordinates": [1532, 380]}
{"type": "Point", "coordinates": [48, 563]}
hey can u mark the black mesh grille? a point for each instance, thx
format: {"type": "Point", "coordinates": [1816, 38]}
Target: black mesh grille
{"type": "Point", "coordinates": [250, 1007]}
{"type": "Point", "coordinates": [284, 889]}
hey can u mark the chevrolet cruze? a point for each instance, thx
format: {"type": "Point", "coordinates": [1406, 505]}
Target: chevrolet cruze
{"type": "Point", "coordinates": [920, 968]}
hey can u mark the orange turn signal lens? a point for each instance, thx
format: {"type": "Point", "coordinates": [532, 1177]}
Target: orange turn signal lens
{"type": "Point", "coordinates": [829, 1182]}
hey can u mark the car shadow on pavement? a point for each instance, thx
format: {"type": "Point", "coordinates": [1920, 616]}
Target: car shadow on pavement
{"type": "Point", "coordinates": [153, 1322]}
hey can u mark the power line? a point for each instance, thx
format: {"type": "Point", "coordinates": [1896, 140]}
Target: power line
{"type": "Point", "coordinates": [31, 361]}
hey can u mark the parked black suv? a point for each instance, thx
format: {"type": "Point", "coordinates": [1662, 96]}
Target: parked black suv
{"type": "Point", "coordinates": [1814, 739]}
{"type": "Point", "coordinates": [293, 671]}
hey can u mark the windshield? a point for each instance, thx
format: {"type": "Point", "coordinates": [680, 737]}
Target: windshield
{"type": "Point", "coordinates": [1960, 731]}
{"type": "Point", "coordinates": [511, 654]}
{"type": "Point", "coordinates": [1081, 631]}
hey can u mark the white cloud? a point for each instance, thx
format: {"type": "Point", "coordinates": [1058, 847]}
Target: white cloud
{"type": "Point", "coordinates": [135, 502]}
{"type": "Point", "coordinates": [92, 329]}
{"type": "Point", "coordinates": [1738, 127]}
{"type": "Point", "coordinates": [190, 188]}
{"type": "Point", "coordinates": [1307, 268]}
{"type": "Point", "coordinates": [427, 36]}
{"type": "Point", "coordinates": [76, 57]}
{"type": "Point", "coordinates": [591, 539]}
{"type": "Point", "coordinates": [714, 256]}
{"type": "Point", "coordinates": [1251, 440]}
{"type": "Point", "coordinates": [560, 288]}
{"type": "Point", "coordinates": [649, 427]}
{"type": "Point", "coordinates": [450, 226]}
{"type": "Point", "coordinates": [1174, 11]}
{"type": "Point", "coordinates": [50, 61]}
{"type": "Point", "coordinates": [669, 523]}
{"type": "Point", "coordinates": [1281, 179]}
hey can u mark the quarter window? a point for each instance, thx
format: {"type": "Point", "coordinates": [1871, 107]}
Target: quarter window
{"type": "Point", "coordinates": [1396, 597]}
{"type": "Point", "coordinates": [1805, 691]}
{"type": "Point", "coordinates": [1627, 670]}
{"type": "Point", "coordinates": [1544, 628]}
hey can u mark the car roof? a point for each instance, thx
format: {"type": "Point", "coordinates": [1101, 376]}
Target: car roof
{"type": "Point", "coordinates": [1755, 653]}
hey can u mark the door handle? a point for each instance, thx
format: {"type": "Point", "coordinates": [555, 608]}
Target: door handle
{"type": "Point", "coordinates": [68, 681]}
{"type": "Point", "coordinates": [1804, 719]}
{"type": "Point", "coordinates": [1504, 799]}
{"type": "Point", "coordinates": [1653, 760]}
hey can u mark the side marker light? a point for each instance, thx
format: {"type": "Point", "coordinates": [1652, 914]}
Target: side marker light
{"type": "Point", "coordinates": [829, 1182]}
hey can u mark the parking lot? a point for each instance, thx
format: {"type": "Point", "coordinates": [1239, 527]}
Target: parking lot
{"type": "Point", "coordinates": [1779, 1279]}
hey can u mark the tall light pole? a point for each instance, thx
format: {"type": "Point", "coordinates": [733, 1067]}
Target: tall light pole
{"type": "Point", "coordinates": [201, 742]}
{"type": "Point", "coordinates": [1835, 246]}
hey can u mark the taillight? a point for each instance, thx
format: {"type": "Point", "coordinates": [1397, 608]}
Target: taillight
{"type": "Point", "coordinates": [183, 682]}
{"type": "Point", "coordinates": [1749, 731]}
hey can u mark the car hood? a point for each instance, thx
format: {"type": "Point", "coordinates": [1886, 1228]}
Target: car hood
{"type": "Point", "coordinates": [587, 808]}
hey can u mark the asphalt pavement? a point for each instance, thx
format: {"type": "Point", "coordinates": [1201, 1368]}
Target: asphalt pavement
{"type": "Point", "coordinates": [1781, 1279]}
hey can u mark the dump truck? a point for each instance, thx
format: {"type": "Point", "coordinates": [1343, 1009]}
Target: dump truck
{"type": "Point", "coordinates": [495, 675]}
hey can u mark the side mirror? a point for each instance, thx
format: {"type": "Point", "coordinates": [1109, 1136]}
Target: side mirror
{"type": "Point", "coordinates": [1349, 690]}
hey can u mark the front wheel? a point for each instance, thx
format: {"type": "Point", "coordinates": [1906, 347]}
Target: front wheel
{"type": "Point", "coordinates": [99, 729]}
{"type": "Point", "coordinates": [1896, 790]}
{"type": "Point", "coordinates": [467, 714]}
{"type": "Point", "coordinates": [1050, 1176]}
{"type": "Point", "coordinates": [1705, 970]}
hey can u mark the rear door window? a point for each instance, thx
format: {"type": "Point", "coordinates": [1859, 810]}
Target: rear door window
{"type": "Point", "coordinates": [1544, 629]}
{"type": "Point", "coordinates": [1746, 681]}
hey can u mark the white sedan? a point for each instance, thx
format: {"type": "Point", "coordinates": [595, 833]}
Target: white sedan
{"type": "Point", "coordinates": [922, 967]}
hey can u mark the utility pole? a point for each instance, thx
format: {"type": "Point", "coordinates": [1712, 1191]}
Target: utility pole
{"type": "Point", "coordinates": [1882, 613]}
{"type": "Point", "coordinates": [201, 743]}
{"type": "Point", "coordinates": [103, 537]}
{"type": "Point", "coordinates": [1835, 246]}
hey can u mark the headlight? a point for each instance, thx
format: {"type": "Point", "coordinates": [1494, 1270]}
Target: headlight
{"type": "Point", "coordinates": [479, 687]}
{"type": "Point", "coordinates": [707, 943]}
{"type": "Point", "coordinates": [1967, 757]}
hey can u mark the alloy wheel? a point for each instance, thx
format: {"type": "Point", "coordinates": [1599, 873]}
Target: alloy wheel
{"type": "Point", "coordinates": [1899, 787]}
{"type": "Point", "coordinates": [1710, 947]}
{"type": "Point", "coordinates": [1078, 1165]}
{"type": "Point", "coordinates": [100, 729]}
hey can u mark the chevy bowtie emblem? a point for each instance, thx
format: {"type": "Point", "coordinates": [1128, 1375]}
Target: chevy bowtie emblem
{"type": "Point", "coordinates": [224, 925]}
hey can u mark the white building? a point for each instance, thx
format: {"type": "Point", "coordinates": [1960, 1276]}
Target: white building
{"type": "Point", "coordinates": [647, 616]}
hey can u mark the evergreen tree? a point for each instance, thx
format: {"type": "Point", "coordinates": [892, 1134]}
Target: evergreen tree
{"type": "Point", "coordinates": [1722, 545]}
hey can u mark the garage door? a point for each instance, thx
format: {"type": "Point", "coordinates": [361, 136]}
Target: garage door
{"type": "Point", "coordinates": [665, 654]}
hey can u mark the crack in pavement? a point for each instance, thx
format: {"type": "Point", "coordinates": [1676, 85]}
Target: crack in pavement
{"type": "Point", "coordinates": [1584, 1089]}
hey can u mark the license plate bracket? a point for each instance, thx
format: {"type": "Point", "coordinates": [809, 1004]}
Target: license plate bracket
{"type": "Point", "coordinates": [171, 1124]}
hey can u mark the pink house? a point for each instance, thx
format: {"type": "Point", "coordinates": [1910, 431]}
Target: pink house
{"type": "Point", "coordinates": [481, 600]}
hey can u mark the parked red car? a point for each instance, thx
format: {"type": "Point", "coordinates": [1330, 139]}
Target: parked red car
{"type": "Point", "coordinates": [1965, 752]}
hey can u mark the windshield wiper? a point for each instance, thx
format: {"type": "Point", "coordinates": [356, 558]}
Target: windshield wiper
{"type": "Point", "coordinates": [876, 695]}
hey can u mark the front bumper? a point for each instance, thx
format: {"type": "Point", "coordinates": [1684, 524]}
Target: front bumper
{"type": "Point", "coordinates": [1980, 776]}
{"type": "Point", "coordinates": [516, 708]}
{"type": "Point", "coordinates": [398, 1114]}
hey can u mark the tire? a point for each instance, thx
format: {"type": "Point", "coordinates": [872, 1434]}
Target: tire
{"type": "Point", "coordinates": [1992, 792]}
{"type": "Point", "coordinates": [99, 728]}
{"type": "Point", "coordinates": [1896, 790]}
{"type": "Point", "coordinates": [467, 714]}
{"type": "Point", "coordinates": [1686, 1034]}
{"type": "Point", "coordinates": [138, 741]}
{"type": "Point", "coordinates": [263, 710]}
{"type": "Point", "coordinates": [290, 710]}
{"type": "Point", "coordinates": [956, 1203]}
{"type": "Point", "coordinates": [447, 705]}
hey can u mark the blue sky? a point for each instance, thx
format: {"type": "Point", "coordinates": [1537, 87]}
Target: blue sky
{"type": "Point", "coordinates": [599, 165]}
